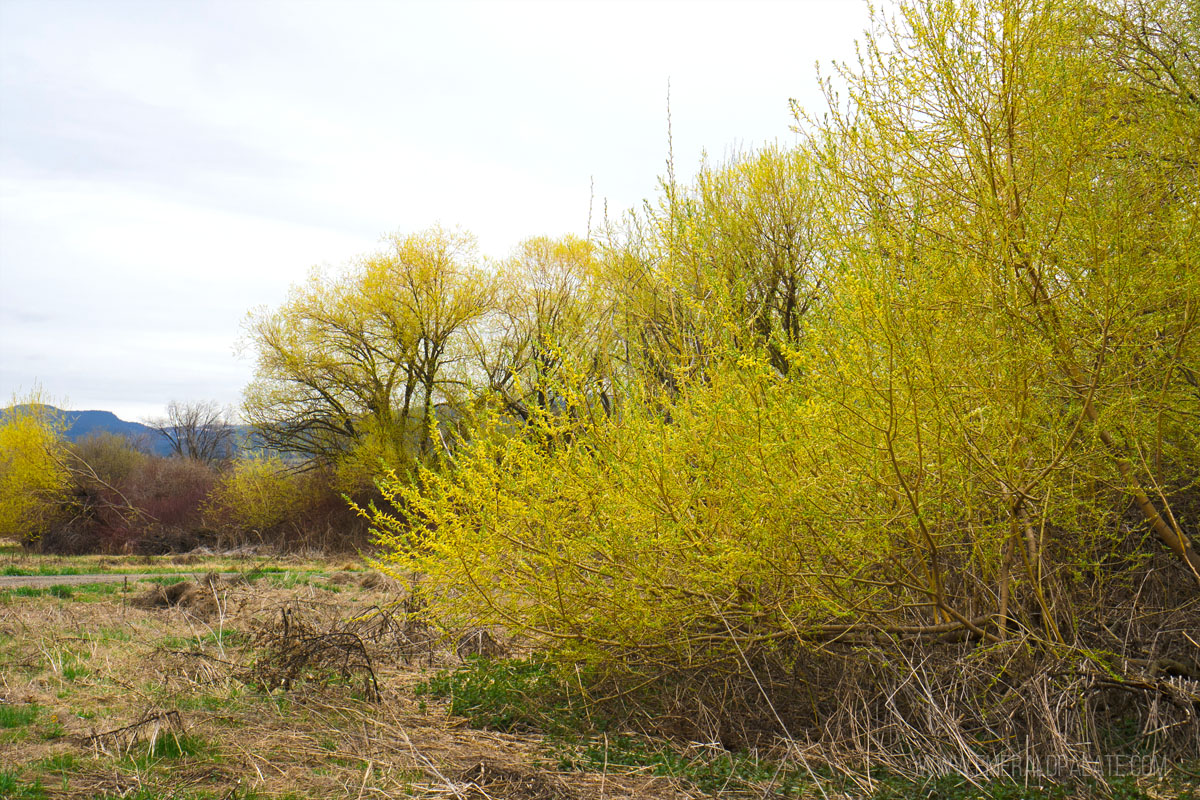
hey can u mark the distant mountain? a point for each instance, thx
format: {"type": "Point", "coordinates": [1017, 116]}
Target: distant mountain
{"type": "Point", "coordinates": [81, 423]}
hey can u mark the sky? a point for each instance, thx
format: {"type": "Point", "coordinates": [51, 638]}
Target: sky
{"type": "Point", "coordinates": [167, 166]}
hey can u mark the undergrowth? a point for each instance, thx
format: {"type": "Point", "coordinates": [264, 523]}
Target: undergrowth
{"type": "Point", "coordinates": [528, 695]}
{"type": "Point", "coordinates": [510, 695]}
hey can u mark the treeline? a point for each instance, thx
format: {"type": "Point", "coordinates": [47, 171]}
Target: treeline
{"type": "Point", "coordinates": [110, 493]}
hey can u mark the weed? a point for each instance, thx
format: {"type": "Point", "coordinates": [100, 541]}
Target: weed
{"type": "Point", "coordinates": [954, 787]}
{"type": "Point", "coordinates": [60, 762]}
{"type": "Point", "coordinates": [84, 591]}
{"type": "Point", "coordinates": [167, 580]}
{"type": "Point", "coordinates": [73, 671]}
{"type": "Point", "coordinates": [113, 634]}
{"type": "Point", "coordinates": [711, 771]}
{"type": "Point", "coordinates": [53, 730]}
{"type": "Point", "coordinates": [204, 702]}
{"type": "Point", "coordinates": [173, 747]}
{"type": "Point", "coordinates": [27, 591]}
{"type": "Point", "coordinates": [226, 637]}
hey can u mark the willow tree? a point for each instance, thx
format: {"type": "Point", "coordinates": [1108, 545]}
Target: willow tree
{"type": "Point", "coordinates": [357, 359]}
{"type": "Point", "coordinates": [550, 332]}
{"type": "Point", "coordinates": [999, 231]}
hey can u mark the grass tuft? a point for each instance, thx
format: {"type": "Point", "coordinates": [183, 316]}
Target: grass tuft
{"type": "Point", "coordinates": [508, 695]}
{"type": "Point", "coordinates": [17, 716]}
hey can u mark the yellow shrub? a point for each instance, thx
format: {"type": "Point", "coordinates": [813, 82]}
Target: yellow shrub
{"type": "Point", "coordinates": [34, 479]}
{"type": "Point", "coordinates": [255, 494]}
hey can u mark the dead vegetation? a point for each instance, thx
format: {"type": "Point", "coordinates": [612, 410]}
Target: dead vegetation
{"type": "Point", "coordinates": [219, 689]}
{"type": "Point", "coordinates": [289, 685]}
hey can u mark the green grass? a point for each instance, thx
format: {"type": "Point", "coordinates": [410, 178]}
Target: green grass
{"type": "Point", "coordinates": [82, 592]}
{"type": "Point", "coordinates": [211, 702]}
{"type": "Point", "coordinates": [226, 637]}
{"type": "Point", "coordinates": [170, 747]}
{"type": "Point", "coordinates": [73, 671]}
{"type": "Point", "coordinates": [293, 578]}
{"type": "Point", "coordinates": [13, 788]}
{"type": "Point", "coordinates": [712, 771]}
{"type": "Point", "coordinates": [953, 787]}
{"type": "Point", "coordinates": [42, 571]}
{"type": "Point", "coordinates": [51, 570]}
{"type": "Point", "coordinates": [59, 763]}
{"type": "Point", "coordinates": [167, 580]}
{"type": "Point", "coordinates": [508, 695]}
{"type": "Point", "coordinates": [17, 716]}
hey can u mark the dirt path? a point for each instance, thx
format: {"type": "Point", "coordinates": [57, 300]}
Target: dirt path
{"type": "Point", "coordinates": [43, 581]}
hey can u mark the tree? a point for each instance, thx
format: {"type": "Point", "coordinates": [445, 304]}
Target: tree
{"type": "Point", "coordinates": [998, 165]}
{"type": "Point", "coordinates": [360, 358]}
{"type": "Point", "coordinates": [201, 431]}
{"type": "Point", "coordinates": [997, 244]}
{"type": "Point", "coordinates": [549, 334]}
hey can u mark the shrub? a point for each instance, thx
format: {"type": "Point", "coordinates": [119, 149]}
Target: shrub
{"type": "Point", "coordinates": [109, 457]}
{"type": "Point", "coordinates": [172, 490]}
{"type": "Point", "coordinates": [34, 478]}
{"type": "Point", "coordinates": [265, 500]}
{"type": "Point", "coordinates": [255, 494]}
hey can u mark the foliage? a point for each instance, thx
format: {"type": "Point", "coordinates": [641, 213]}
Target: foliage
{"type": "Point", "coordinates": [34, 478]}
{"type": "Point", "coordinates": [255, 493]}
{"type": "Point", "coordinates": [550, 316]}
{"type": "Point", "coordinates": [11, 786]}
{"type": "Point", "coordinates": [12, 716]}
{"type": "Point", "coordinates": [360, 358]}
{"type": "Point", "coordinates": [507, 695]}
{"type": "Point", "coordinates": [931, 377]}
{"type": "Point", "coordinates": [172, 491]}
{"type": "Point", "coordinates": [712, 771]}
{"type": "Point", "coordinates": [112, 458]}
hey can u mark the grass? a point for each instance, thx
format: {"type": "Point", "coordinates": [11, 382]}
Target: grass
{"type": "Point", "coordinates": [12, 787]}
{"type": "Point", "coordinates": [30, 564]}
{"type": "Point", "coordinates": [85, 592]}
{"type": "Point", "coordinates": [174, 748]}
{"type": "Point", "coordinates": [708, 770]}
{"type": "Point", "coordinates": [509, 695]}
{"type": "Point", "coordinates": [91, 663]}
{"type": "Point", "coordinates": [13, 716]}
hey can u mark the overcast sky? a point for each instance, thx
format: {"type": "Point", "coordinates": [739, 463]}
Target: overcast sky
{"type": "Point", "coordinates": [166, 166]}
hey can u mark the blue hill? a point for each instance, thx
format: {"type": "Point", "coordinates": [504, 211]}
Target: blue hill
{"type": "Point", "coordinates": [79, 424]}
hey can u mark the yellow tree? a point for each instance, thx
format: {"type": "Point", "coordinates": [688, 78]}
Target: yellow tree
{"type": "Point", "coordinates": [549, 332]}
{"type": "Point", "coordinates": [34, 477]}
{"type": "Point", "coordinates": [359, 358]}
{"type": "Point", "coordinates": [1018, 291]}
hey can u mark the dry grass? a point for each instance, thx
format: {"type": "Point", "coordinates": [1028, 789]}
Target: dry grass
{"type": "Point", "coordinates": [179, 699]}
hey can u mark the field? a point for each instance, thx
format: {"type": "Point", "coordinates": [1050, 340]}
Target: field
{"type": "Point", "coordinates": [255, 686]}
{"type": "Point", "coordinates": [260, 677]}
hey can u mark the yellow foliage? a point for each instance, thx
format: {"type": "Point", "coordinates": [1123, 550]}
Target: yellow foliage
{"type": "Point", "coordinates": [255, 494]}
{"type": "Point", "coordinates": [995, 247]}
{"type": "Point", "coordinates": [34, 479]}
